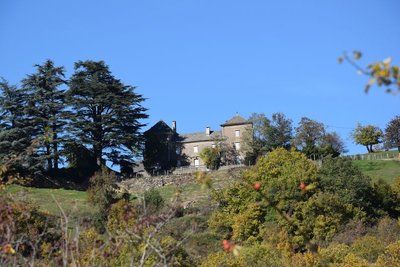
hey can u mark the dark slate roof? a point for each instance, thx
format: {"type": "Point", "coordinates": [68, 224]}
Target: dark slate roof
{"type": "Point", "coordinates": [200, 136]}
{"type": "Point", "coordinates": [237, 120]}
{"type": "Point", "coordinates": [160, 127]}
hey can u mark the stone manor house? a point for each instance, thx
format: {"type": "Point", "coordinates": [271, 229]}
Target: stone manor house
{"type": "Point", "coordinates": [164, 147]}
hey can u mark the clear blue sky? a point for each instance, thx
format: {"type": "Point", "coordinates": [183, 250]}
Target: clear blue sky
{"type": "Point", "coordinates": [199, 62]}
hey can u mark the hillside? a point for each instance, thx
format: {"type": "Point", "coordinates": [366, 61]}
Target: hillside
{"type": "Point", "coordinates": [190, 191]}
{"type": "Point", "coordinates": [386, 170]}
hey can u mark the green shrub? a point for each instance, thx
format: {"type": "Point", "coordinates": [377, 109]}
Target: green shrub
{"type": "Point", "coordinates": [368, 248]}
{"type": "Point", "coordinates": [25, 229]}
{"type": "Point", "coordinates": [121, 217]}
{"type": "Point", "coordinates": [101, 194]}
{"type": "Point", "coordinates": [280, 174]}
{"type": "Point", "coordinates": [341, 177]}
{"type": "Point", "coordinates": [248, 223]}
{"type": "Point", "coordinates": [153, 201]}
{"type": "Point", "coordinates": [391, 256]}
{"type": "Point", "coordinates": [211, 157]}
{"type": "Point", "coordinates": [334, 253]}
{"type": "Point", "coordinates": [318, 219]}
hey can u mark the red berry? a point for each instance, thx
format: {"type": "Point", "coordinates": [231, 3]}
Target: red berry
{"type": "Point", "coordinates": [226, 245]}
{"type": "Point", "coordinates": [302, 186]}
{"type": "Point", "coordinates": [257, 186]}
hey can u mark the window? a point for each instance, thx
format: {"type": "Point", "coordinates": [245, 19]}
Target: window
{"type": "Point", "coordinates": [196, 149]}
{"type": "Point", "coordinates": [237, 146]}
{"type": "Point", "coordinates": [237, 133]}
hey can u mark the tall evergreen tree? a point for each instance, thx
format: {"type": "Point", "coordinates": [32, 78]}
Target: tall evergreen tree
{"type": "Point", "coordinates": [12, 102]}
{"type": "Point", "coordinates": [106, 112]}
{"type": "Point", "coordinates": [45, 109]}
{"type": "Point", "coordinates": [14, 135]}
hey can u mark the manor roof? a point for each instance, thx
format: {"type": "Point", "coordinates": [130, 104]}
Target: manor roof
{"type": "Point", "coordinates": [237, 120]}
{"type": "Point", "coordinates": [200, 136]}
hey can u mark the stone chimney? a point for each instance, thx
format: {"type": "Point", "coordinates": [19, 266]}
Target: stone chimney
{"type": "Point", "coordinates": [208, 131]}
{"type": "Point", "coordinates": [174, 126]}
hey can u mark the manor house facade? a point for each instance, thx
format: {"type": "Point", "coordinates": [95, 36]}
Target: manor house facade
{"type": "Point", "coordinates": [231, 133]}
{"type": "Point", "coordinates": [186, 148]}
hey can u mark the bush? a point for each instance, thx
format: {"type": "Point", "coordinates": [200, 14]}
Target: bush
{"type": "Point", "coordinates": [248, 223]}
{"type": "Point", "coordinates": [280, 174]}
{"type": "Point", "coordinates": [257, 255]}
{"type": "Point", "coordinates": [339, 176]}
{"type": "Point", "coordinates": [211, 157]}
{"type": "Point", "coordinates": [368, 248]}
{"type": "Point", "coordinates": [101, 192]}
{"type": "Point", "coordinates": [391, 256]}
{"type": "Point", "coordinates": [26, 230]}
{"type": "Point", "coordinates": [121, 217]}
{"type": "Point", "coordinates": [333, 254]}
{"type": "Point", "coordinates": [386, 201]}
{"type": "Point", "coordinates": [318, 219]}
{"type": "Point", "coordinates": [153, 201]}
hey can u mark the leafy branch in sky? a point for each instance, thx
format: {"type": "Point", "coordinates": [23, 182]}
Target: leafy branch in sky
{"type": "Point", "coordinates": [382, 73]}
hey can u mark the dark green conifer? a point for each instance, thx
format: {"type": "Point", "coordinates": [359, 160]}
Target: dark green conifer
{"type": "Point", "coordinates": [106, 112]}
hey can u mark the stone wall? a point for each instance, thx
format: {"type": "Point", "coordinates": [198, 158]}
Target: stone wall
{"type": "Point", "coordinates": [143, 184]}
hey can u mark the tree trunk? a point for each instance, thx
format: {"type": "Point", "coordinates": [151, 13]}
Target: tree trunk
{"type": "Point", "coordinates": [97, 149]}
{"type": "Point", "coordinates": [55, 152]}
{"type": "Point", "coordinates": [49, 161]}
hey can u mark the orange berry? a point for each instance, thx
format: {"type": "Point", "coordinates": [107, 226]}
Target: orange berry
{"type": "Point", "coordinates": [302, 186]}
{"type": "Point", "coordinates": [8, 249]}
{"type": "Point", "coordinates": [257, 186]}
{"type": "Point", "coordinates": [226, 245]}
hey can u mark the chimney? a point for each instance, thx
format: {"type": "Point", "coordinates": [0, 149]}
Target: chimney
{"type": "Point", "coordinates": [174, 126]}
{"type": "Point", "coordinates": [208, 131]}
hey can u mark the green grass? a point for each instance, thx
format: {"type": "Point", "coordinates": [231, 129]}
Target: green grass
{"type": "Point", "coordinates": [386, 170]}
{"type": "Point", "coordinates": [72, 202]}
{"type": "Point", "coordinates": [391, 154]}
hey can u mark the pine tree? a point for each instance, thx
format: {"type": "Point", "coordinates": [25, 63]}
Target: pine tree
{"type": "Point", "coordinates": [46, 109]}
{"type": "Point", "coordinates": [106, 112]}
{"type": "Point", "coordinates": [14, 135]}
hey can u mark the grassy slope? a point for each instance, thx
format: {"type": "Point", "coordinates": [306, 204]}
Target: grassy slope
{"type": "Point", "coordinates": [379, 169]}
{"type": "Point", "coordinates": [74, 202]}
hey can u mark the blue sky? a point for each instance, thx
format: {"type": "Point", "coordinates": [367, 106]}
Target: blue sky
{"type": "Point", "coordinates": [200, 62]}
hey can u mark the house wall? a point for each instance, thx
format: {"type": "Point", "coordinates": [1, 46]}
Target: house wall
{"type": "Point", "coordinates": [230, 133]}
{"type": "Point", "coordinates": [188, 149]}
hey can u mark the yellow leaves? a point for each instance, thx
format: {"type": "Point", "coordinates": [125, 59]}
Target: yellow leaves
{"type": "Point", "coordinates": [236, 250]}
{"type": "Point", "coordinates": [7, 249]}
{"type": "Point", "coordinates": [383, 73]}
{"type": "Point", "coordinates": [204, 179]}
